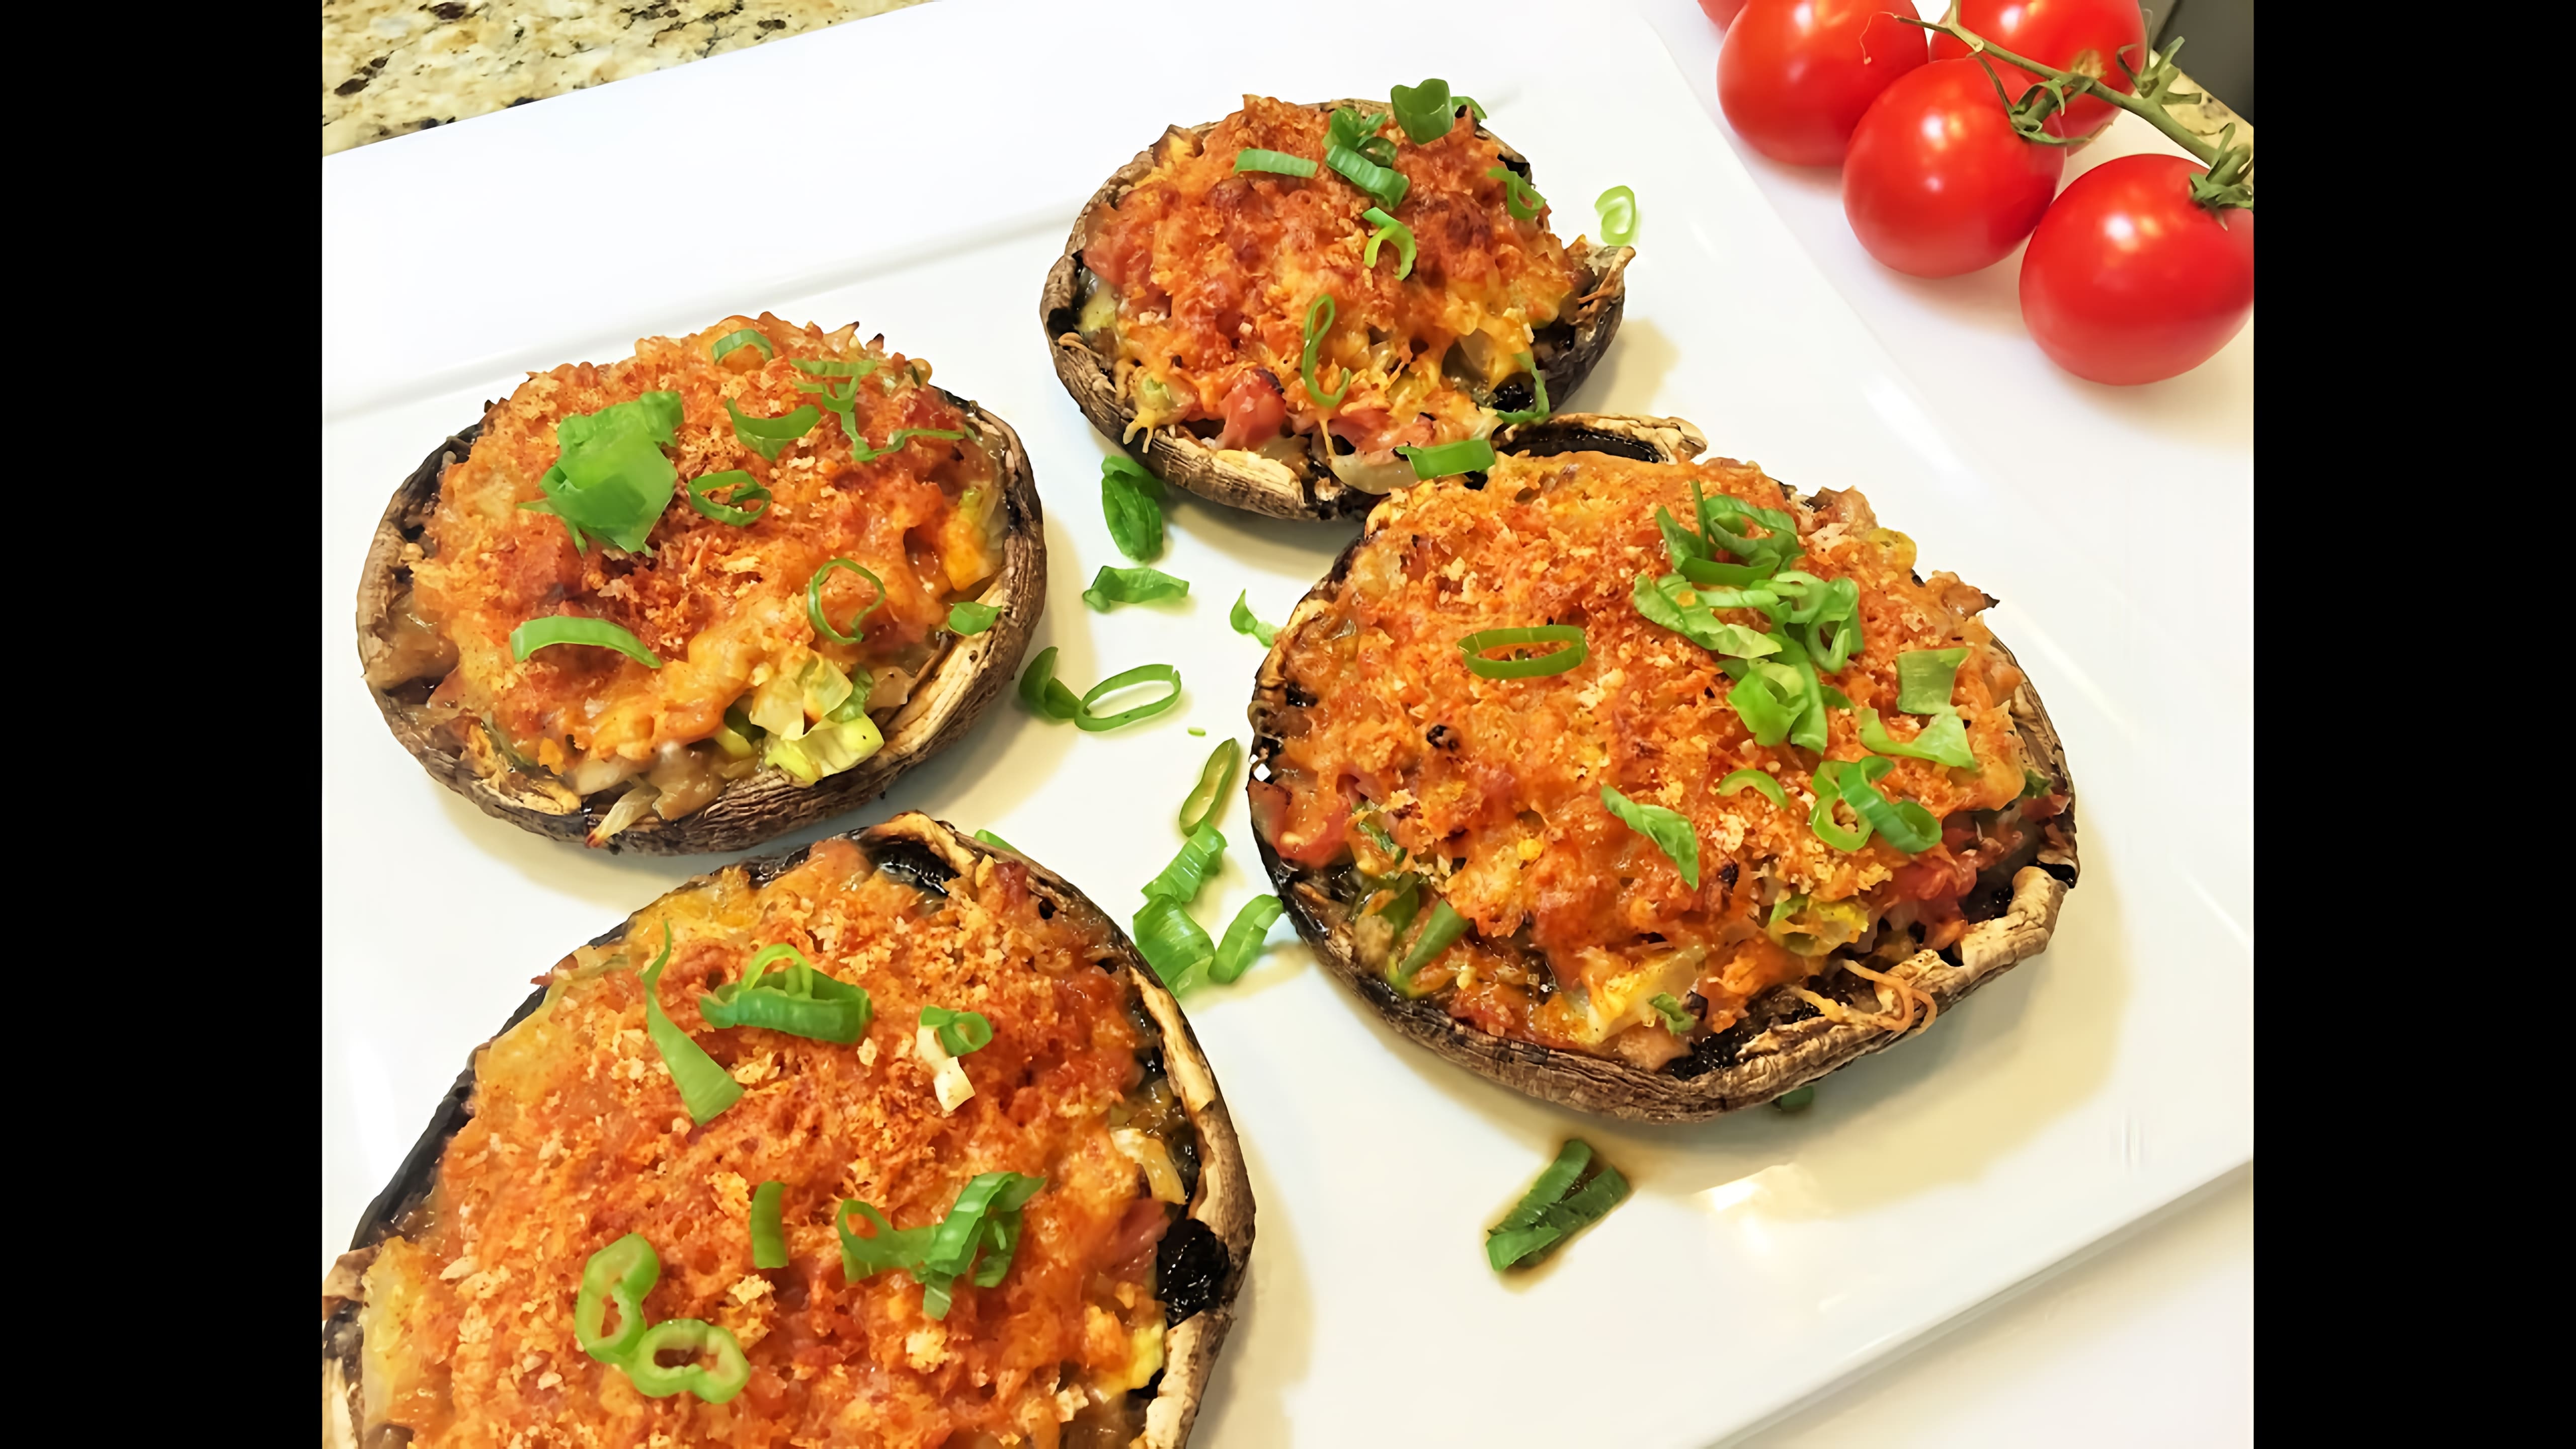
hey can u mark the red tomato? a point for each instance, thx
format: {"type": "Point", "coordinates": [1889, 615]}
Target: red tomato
{"type": "Point", "coordinates": [1254, 411]}
{"type": "Point", "coordinates": [1936, 183]}
{"type": "Point", "coordinates": [2129, 280]}
{"type": "Point", "coordinates": [1796, 74]}
{"type": "Point", "coordinates": [1721, 11]}
{"type": "Point", "coordinates": [2077, 35]}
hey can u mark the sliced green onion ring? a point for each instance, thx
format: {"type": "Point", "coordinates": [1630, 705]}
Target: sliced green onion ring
{"type": "Point", "coordinates": [833, 367]}
{"type": "Point", "coordinates": [1243, 939]}
{"type": "Point", "coordinates": [1277, 163]}
{"type": "Point", "coordinates": [1132, 501]}
{"type": "Point", "coordinates": [1943, 739]}
{"type": "Point", "coordinates": [1045, 694]}
{"type": "Point", "coordinates": [1114, 586]}
{"type": "Point", "coordinates": [1557, 662]}
{"type": "Point", "coordinates": [1677, 1017]}
{"type": "Point", "coordinates": [691, 1336]}
{"type": "Point", "coordinates": [1176, 947]}
{"type": "Point", "coordinates": [554, 629]}
{"type": "Point", "coordinates": [968, 617]}
{"type": "Point", "coordinates": [1426, 112]}
{"type": "Point", "coordinates": [814, 600]}
{"type": "Point", "coordinates": [1439, 933]}
{"type": "Point", "coordinates": [618, 1276]}
{"type": "Point", "coordinates": [959, 1032]}
{"type": "Point", "coordinates": [736, 341]}
{"type": "Point", "coordinates": [770, 436]}
{"type": "Point", "coordinates": [1384, 182]}
{"type": "Point", "coordinates": [997, 842]}
{"type": "Point", "coordinates": [1828, 781]}
{"type": "Point", "coordinates": [1245, 622]}
{"type": "Point", "coordinates": [746, 490]}
{"type": "Point", "coordinates": [768, 1237]}
{"type": "Point", "coordinates": [1388, 228]}
{"type": "Point", "coordinates": [1904, 824]}
{"type": "Point", "coordinates": [1671, 831]}
{"type": "Point", "coordinates": [1519, 197]}
{"type": "Point", "coordinates": [705, 1088]}
{"type": "Point", "coordinates": [1618, 209]}
{"type": "Point", "coordinates": [860, 452]}
{"type": "Point", "coordinates": [1187, 874]}
{"type": "Point", "coordinates": [1759, 781]}
{"type": "Point", "coordinates": [1324, 307]}
{"type": "Point", "coordinates": [1128, 679]}
{"type": "Point", "coordinates": [1445, 460]}
{"type": "Point", "coordinates": [1538, 410]}
{"type": "Point", "coordinates": [1796, 1099]}
{"type": "Point", "coordinates": [1215, 778]}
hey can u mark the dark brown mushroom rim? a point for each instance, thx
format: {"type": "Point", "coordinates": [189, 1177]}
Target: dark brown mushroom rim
{"type": "Point", "coordinates": [1198, 1268]}
{"type": "Point", "coordinates": [944, 702]}
{"type": "Point", "coordinates": [1566, 351]}
{"type": "Point", "coordinates": [1782, 1042]}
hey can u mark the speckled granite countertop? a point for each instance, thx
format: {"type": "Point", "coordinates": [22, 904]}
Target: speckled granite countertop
{"type": "Point", "coordinates": [394, 66]}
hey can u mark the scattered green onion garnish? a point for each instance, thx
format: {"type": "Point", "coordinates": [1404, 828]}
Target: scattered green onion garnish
{"type": "Point", "coordinates": [610, 476]}
{"type": "Point", "coordinates": [1557, 662]}
{"type": "Point", "coordinates": [832, 367]}
{"type": "Point", "coordinates": [1821, 819]}
{"type": "Point", "coordinates": [805, 1002]}
{"type": "Point", "coordinates": [705, 1088]}
{"type": "Point", "coordinates": [1113, 586]}
{"type": "Point", "coordinates": [1176, 947]}
{"type": "Point", "coordinates": [1796, 1099]}
{"type": "Point", "coordinates": [1426, 111]}
{"type": "Point", "coordinates": [1188, 872]}
{"type": "Point", "coordinates": [1245, 622]}
{"type": "Point", "coordinates": [1384, 842]}
{"type": "Point", "coordinates": [969, 617]}
{"type": "Point", "coordinates": [1319, 320]}
{"type": "Point", "coordinates": [1443, 460]}
{"type": "Point", "coordinates": [1660, 601]}
{"type": "Point", "coordinates": [1618, 209]}
{"type": "Point", "coordinates": [1198, 732]}
{"type": "Point", "coordinates": [1242, 944]}
{"type": "Point", "coordinates": [1555, 1208]}
{"type": "Point", "coordinates": [1519, 197]}
{"type": "Point", "coordinates": [1358, 131]}
{"type": "Point", "coordinates": [1279, 163]}
{"type": "Point", "coordinates": [1944, 739]}
{"type": "Point", "coordinates": [1671, 833]}
{"type": "Point", "coordinates": [860, 452]}
{"type": "Point", "coordinates": [1536, 411]}
{"type": "Point", "coordinates": [1903, 823]}
{"type": "Point", "coordinates": [1045, 694]}
{"type": "Point", "coordinates": [1128, 679]}
{"type": "Point", "coordinates": [1216, 777]}
{"type": "Point", "coordinates": [2034, 784]}
{"type": "Point", "coordinates": [1470, 103]}
{"type": "Point", "coordinates": [1677, 1017]}
{"type": "Point", "coordinates": [959, 1032]}
{"type": "Point", "coordinates": [1388, 228]}
{"type": "Point", "coordinates": [997, 842]}
{"type": "Point", "coordinates": [746, 491]}
{"type": "Point", "coordinates": [1760, 781]}
{"type": "Point", "coordinates": [618, 1276]}
{"type": "Point", "coordinates": [1133, 500]}
{"type": "Point", "coordinates": [736, 341]}
{"type": "Point", "coordinates": [770, 436]}
{"type": "Point", "coordinates": [690, 1336]}
{"type": "Point", "coordinates": [768, 1236]}
{"type": "Point", "coordinates": [1439, 932]}
{"type": "Point", "coordinates": [1385, 183]}
{"type": "Point", "coordinates": [537, 634]}
{"type": "Point", "coordinates": [814, 600]}
{"type": "Point", "coordinates": [1924, 678]}
{"type": "Point", "coordinates": [1768, 699]}
{"type": "Point", "coordinates": [984, 1220]}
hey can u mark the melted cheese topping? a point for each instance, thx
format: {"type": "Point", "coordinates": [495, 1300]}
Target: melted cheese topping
{"type": "Point", "coordinates": [723, 606]}
{"type": "Point", "coordinates": [1214, 272]}
{"type": "Point", "coordinates": [1494, 785]}
{"type": "Point", "coordinates": [578, 1137]}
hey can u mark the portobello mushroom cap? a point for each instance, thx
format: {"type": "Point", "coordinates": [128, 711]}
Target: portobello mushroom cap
{"type": "Point", "coordinates": [1201, 1263]}
{"type": "Point", "coordinates": [1782, 1042]}
{"type": "Point", "coordinates": [944, 702]}
{"type": "Point", "coordinates": [1566, 351]}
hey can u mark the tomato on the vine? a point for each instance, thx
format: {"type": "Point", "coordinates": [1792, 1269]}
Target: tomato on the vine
{"type": "Point", "coordinates": [1937, 182]}
{"type": "Point", "coordinates": [1795, 75]}
{"type": "Point", "coordinates": [2128, 279]}
{"type": "Point", "coordinates": [1720, 11]}
{"type": "Point", "coordinates": [2086, 36]}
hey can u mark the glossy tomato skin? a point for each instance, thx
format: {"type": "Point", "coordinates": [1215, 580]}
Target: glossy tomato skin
{"type": "Point", "coordinates": [1795, 75]}
{"type": "Point", "coordinates": [2127, 280]}
{"type": "Point", "coordinates": [1721, 12]}
{"type": "Point", "coordinates": [2077, 35]}
{"type": "Point", "coordinates": [1936, 182]}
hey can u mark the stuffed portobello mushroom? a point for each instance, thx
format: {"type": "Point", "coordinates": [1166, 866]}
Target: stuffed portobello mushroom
{"type": "Point", "coordinates": [701, 596]}
{"type": "Point", "coordinates": [1647, 786]}
{"type": "Point", "coordinates": [1264, 309]}
{"type": "Point", "coordinates": [891, 1141]}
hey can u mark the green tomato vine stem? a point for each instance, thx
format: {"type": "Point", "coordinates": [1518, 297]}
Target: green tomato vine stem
{"type": "Point", "coordinates": [2229, 181]}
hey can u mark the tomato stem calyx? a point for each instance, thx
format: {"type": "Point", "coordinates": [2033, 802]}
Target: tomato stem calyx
{"type": "Point", "coordinates": [2229, 182]}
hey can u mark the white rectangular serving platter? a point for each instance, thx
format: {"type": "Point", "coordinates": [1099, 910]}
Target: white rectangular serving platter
{"type": "Point", "coordinates": [918, 173]}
